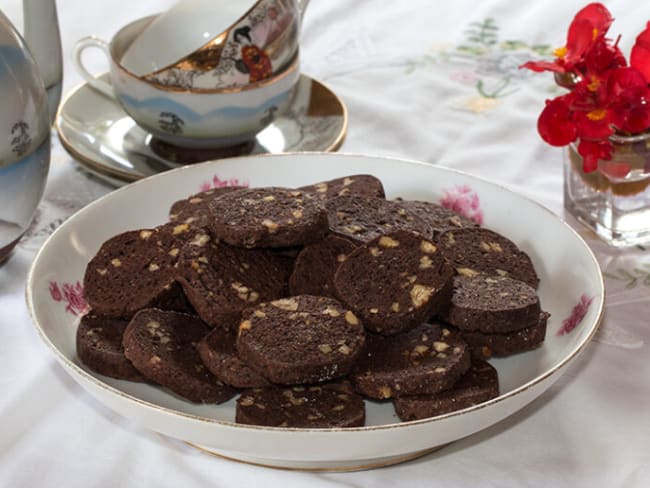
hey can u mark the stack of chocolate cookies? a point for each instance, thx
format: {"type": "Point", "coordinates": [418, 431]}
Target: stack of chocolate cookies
{"type": "Point", "coordinates": [309, 301]}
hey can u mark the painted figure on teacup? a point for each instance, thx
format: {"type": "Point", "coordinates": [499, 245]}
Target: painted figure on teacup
{"type": "Point", "coordinates": [261, 45]}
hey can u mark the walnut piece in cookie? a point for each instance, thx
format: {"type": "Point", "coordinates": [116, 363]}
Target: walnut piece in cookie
{"type": "Point", "coordinates": [268, 217]}
{"type": "Point", "coordinates": [394, 282]}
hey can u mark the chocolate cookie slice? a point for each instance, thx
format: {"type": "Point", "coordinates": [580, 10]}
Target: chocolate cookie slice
{"type": "Point", "coordinates": [476, 250]}
{"type": "Point", "coordinates": [485, 346]}
{"type": "Point", "coordinates": [162, 346]}
{"type": "Point", "coordinates": [362, 185]}
{"type": "Point", "coordinates": [219, 354]}
{"type": "Point", "coordinates": [394, 282]}
{"type": "Point", "coordinates": [436, 216]}
{"type": "Point", "coordinates": [425, 360]}
{"type": "Point", "coordinates": [363, 219]}
{"type": "Point", "coordinates": [135, 270]}
{"type": "Point", "coordinates": [478, 385]}
{"type": "Point", "coordinates": [268, 217]}
{"type": "Point", "coordinates": [300, 339]}
{"type": "Point", "coordinates": [312, 407]}
{"type": "Point", "coordinates": [99, 346]}
{"type": "Point", "coordinates": [491, 304]}
{"type": "Point", "coordinates": [220, 280]}
{"type": "Point", "coordinates": [315, 266]}
{"type": "Point", "coordinates": [194, 209]}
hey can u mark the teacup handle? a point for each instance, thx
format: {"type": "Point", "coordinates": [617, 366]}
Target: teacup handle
{"type": "Point", "coordinates": [93, 81]}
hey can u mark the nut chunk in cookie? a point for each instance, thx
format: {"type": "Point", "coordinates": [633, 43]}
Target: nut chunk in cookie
{"type": "Point", "coordinates": [425, 360]}
{"type": "Point", "coordinates": [300, 339]}
{"type": "Point", "coordinates": [268, 217]}
{"type": "Point", "coordinates": [162, 346]}
{"type": "Point", "coordinates": [313, 407]}
{"type": "Point", "coordinates": [394, 282]}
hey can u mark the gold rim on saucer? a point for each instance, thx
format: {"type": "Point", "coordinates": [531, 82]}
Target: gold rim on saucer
{"type": "Point", "coordinates": [89, 149]}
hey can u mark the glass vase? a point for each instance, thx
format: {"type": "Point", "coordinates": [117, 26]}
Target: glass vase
{"type": "Point", "coordinates": [614, 200]}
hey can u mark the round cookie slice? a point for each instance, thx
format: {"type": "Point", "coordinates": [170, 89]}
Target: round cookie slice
{"type": "Point", "coordinates": [315, 266]}
{"type": "Point", "coordinates": [194, 209]}
{"type": "Point", "coordinates": [485, 346]}
{"type": "Point", "coordinates": [491, 304]}
{"type": "Point", "coordinates": [135, 270]}
{"type": "Point", "coordinates": [221, 280]}
{"type": "Point", "coordinates": [219, 354]}
{"type": "Point", "coordinates": [268, 217]}
{"type": "Point", "coordinates": [362, 185]}
{"type": "Point", "coordinates": [478, 385]}
{"type": "Point", "coordinates": [99, 346]}
{"type": "Point", "coordinates": [363, 218]}
{"type": "Point", "coordinates": [312, 407]}
{"type": "Point", "coordinates": [395, 282]}
{"type": "Point", "coordinates": [300, 339]}
{"type": "Point", "coordinates": [476, 250]}
{"type": "Point", "coordinates": [424, 360]}
{"type": "Point", "coordinates": [162, 346]}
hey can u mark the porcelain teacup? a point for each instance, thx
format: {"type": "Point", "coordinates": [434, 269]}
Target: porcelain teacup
{"type": "Point", "coordinates": [185, 116]}
{"type": "Point", "coordinates": [203, 44]}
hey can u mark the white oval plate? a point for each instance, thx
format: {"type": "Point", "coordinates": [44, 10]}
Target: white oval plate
{"type": "Point", "coordinates": [571, 284]}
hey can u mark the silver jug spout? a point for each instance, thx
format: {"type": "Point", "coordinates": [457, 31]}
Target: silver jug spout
{"type": "Point", "coordinates": [42, 35]}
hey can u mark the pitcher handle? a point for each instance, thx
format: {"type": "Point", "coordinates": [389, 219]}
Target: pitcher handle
{"type": "Point", "coordinates": [302, 6]}
{"type": "Point", "coordinates": [93, 81]}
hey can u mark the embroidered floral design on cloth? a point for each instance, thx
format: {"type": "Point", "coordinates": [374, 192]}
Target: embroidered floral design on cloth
{"type": "Point", "coordinates": [490, 65]}
{"type": "Point", "coordinates": [72, 295]}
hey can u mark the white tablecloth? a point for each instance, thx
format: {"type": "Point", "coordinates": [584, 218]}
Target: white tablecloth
{"type": "Point", "coordinates": [432, 81]}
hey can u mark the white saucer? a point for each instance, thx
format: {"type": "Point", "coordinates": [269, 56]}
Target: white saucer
{"type": "Point", "coordinates": [98, 133]}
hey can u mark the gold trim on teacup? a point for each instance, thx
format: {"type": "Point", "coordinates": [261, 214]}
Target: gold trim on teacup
{"type": "Point", "coordinates": [207, 51]}
{"type": "Point", "coordinates": [292, 67]}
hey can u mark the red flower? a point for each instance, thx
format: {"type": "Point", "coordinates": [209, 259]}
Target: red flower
{"type": "Point", "coordinates": [640, 55]}
{"type": "Point", "coordinates": [555, 124]}
{"type": "Point", "coordinates": [606, 96]}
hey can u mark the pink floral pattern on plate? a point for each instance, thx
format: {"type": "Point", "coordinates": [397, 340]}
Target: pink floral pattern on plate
{"type": "Point", "coordinates": [219, 183]}
{"type": "Point", "coordinates": [72, 295]}
{"type": "Point", "coordinates": [577, 314]}
{"type": "Point", "coordinates": [465, 201]}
